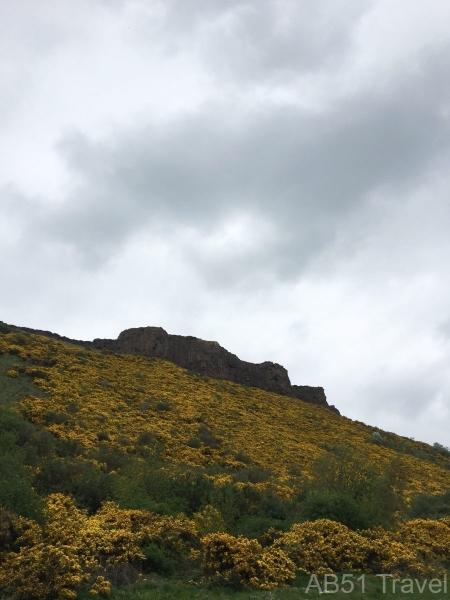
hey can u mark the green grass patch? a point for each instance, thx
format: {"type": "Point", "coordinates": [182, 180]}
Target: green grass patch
{"type": "Point", "coordinates": [370, 587]}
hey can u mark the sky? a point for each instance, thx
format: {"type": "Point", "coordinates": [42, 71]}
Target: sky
{"type": "Point", "coordinates": [269, 174]}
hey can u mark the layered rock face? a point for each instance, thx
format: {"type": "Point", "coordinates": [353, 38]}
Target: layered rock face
{"type": "Point", "coordinates": [209, 358]}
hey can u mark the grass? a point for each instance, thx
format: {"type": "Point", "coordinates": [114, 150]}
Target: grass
{"type": "Point", "coordinates": [160, 589]}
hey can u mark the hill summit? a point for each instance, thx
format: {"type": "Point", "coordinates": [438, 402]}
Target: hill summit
{"type": "Point", "coordinates": [204, 357]}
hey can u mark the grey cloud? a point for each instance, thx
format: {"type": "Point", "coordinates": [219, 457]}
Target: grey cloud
{"type": "Point", "coordinates": [282, 40]}
{"type": "Point", "coordinates": [408, 394]}
{"type": "Point", "coordinates": [256, 40]}
{"type": "Point", "coordinates": [303, 174]}
{"type": "Point", "coordinates": [442, 331]}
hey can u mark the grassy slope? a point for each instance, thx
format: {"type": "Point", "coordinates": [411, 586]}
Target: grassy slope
{"type": "Point", "coordinates": [118, 398]}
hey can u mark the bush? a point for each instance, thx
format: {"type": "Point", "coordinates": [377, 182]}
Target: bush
{"type": "Point", "coordinates": [256, 526]}
{"type": "Point", "coordinates": [16, 489]}
{"type": "Point", "coordinates": [193, 442]}
{"type": "Point", "coordinates": [324, 546]}
{"type": "Point", "coordinates": [193, 490]}
{"type": "Point", "coordinates": [242, 563]}
{"type": "Point", "coordinates": [112, 458]}
{"type": "Point", "coordinates": [337, 507]}
{"type": "Point", "coordinates": [87, 483]}
{"type": "Point", "coordinates": [38, 374]}
{"type": "Point", "coordinates": [244, 458]}
{"type": "Point", "coordinates": [209, 520]}
{"type": "Point", "coordinates": [20, 339]}
{"type": "Point", "coordinates": [163, 406]}
{"type": "Point", "coordinates": [430, 506]}
{"type": "Point", "coordinates": [144, 406]}
{"type": "Point", "coordinates": [73, 408]}
{"type": "Point", "coordinates": [147, 438]}
{"type": "Point", "coordinates": [207, 437]}
{"type": "Point", "coordinates": [440, 449]}
{"type": "Point", "coordinates": [156, 560]}
{"type": "Point", "coordinates": [4, 328]}
{"type": "Point", "coordinates": [57, 418]}
{"type": "Point", "coordinates": [41, 571]}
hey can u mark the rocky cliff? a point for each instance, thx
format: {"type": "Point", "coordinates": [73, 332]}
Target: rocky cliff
{"type": "Point", "coordinates": [207, 358]}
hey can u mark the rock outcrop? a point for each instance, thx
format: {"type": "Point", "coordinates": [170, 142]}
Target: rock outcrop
{"type": "Point", "coordinates": [206, 358]}
{"type": "Point", "coordinates": [209, 358]}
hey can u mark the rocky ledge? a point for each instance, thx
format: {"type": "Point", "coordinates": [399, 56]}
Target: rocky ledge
{"type": "Point", "coordinates": [209, 358]}
{"type": "Point", "coordinates": [206, 358]}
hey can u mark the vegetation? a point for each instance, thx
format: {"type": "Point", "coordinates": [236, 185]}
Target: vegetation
{"type": "Point", "coordinates": [117, 471]}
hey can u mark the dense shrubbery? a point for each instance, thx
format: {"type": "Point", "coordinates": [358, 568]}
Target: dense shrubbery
{"type": "Point", "coordinates": [73, 550]}
{"type": "Point", "coordinates": [434, 506]}
{"type": "Point", "coordinates": [112, 466]}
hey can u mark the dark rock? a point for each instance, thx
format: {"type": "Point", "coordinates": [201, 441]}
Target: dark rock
{"type": "Point", "coordinates": [209, 358]}
{"type": "Point", "coordinates": [206, 358]}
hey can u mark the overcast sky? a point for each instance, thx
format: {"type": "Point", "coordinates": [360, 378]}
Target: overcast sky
{"type": "Point", "coordinates": [270, 174]}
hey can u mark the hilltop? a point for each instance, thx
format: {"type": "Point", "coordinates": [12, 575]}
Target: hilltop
{"type": "Point", "coordinates": [201, 356]}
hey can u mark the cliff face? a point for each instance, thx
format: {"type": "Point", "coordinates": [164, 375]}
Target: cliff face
{"type": "Point", "coordinates": [209, 358]}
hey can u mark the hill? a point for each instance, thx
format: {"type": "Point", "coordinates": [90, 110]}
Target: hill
{"type": "Point", "coordinates": [85, 395]}
{"type": "Point", "coordinates": [200, 356]}
{"type": "Point", "coordinates": [210, 457]}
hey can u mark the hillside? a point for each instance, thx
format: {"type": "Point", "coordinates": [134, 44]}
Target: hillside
{"type": "Point", "coordinates": [95, 437]}
{"type": "Point", "coordinates": [90, 397]}
{"type": "Point", "coordinates": [203, 357]}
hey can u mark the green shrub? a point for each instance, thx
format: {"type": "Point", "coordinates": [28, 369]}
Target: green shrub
{"type": "Point", "coordinates": [16, 490]}
{"type": "Point", "coordinates": [41, 444]}
{"type": "Point", "coordinates": [430, 506]}
{"type": "Point", "coordinates": [38, 373]}
{"type": "Point", "coordinates": [89, 485]}
{"type": "Point", "coordinates": [57, 418]}
{"type": "Point", "coordinates": [73, 408]}
{"type": "Point", "coordinates": [207, 437]}
{"type": "Point", "coordinates": [244, 458]}
{"type": "Point", "coordinates": [337, 507]}
{"type": "Point", "coordinates": [294, 471]}
{"type": "Point", "coordinates": [256, 526]}
{"type": "Point", "coordinates": [146, 438]}
{"type": "Point", "coordinates": [193, 442]}
{"type": "Point", "coordinates": [163, 406]}
{"type": "Point", "coordinates": [145, 405]}
{"type": "Point", "coordinates": [113, 458]}
{"type": "Point", "coordinates": [4, 328]}
{"type": "Point", "coordinates": [156, 560]}
{"type": "Point", "coordinates": [440, 449]}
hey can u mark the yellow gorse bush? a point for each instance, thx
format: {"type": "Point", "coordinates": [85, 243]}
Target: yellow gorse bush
{"type": "Point", "coordinates": [324, 546]}
{"type": "Point", "coordinates": [419, 547]}
{"type": "Point", "coordinates": [41, 571]}
{"type": "Point", "coordinates": [238, 561]}
{"type": "Point", "coordinates": [73, 548]}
